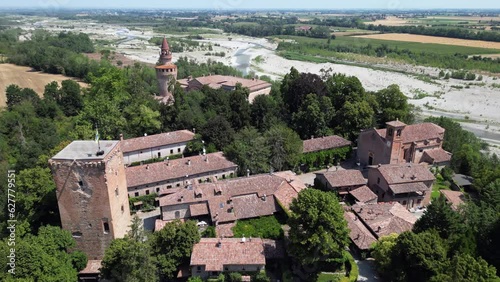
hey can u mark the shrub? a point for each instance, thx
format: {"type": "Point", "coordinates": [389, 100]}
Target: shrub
{"type": "Point", "coordinates": [234, 277]}
{"type": "Point", "coordinates": [265, 227]}
{"type": "Point", "coordinates": [261, 277]}
{"type": "Point", "coordinates": [209, 232]}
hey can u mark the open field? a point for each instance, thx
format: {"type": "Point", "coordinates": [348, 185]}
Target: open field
{"type": "Point", "coordinates": [390, 21]}
{"type": "Point", "coordinates": [24, 77]}
{"type": "Point", "coordinates": [412, 46]}
{"type": "Point", "coordinates": [433, 39]}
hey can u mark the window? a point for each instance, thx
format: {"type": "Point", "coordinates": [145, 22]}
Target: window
{"type": "Point", "coordinates": [136, 194]}
{"type": "Point", "coordinates": [398, 133]}
{"type": "Point", "coordinates": [123, 208]}
{"type": "Point", "coordinates": [105, 226]}
{"type": "Point", "coordinates": [159, 154]}
{"type": "Point", "coordinates": [421, 150]}
{"type": "Point", "coordinates": [178, 185]}
{"type": "Point", "coordinates": [147, 192]}
{"type": "Point", "coordinates": [169, 186]}
{"type": "Point", "coordinates": [419, 201]}
{"type": "Point", "coordinates": [157, 190]}
{"type": "Point", "coordinates": [177, 214]}
{"type": "Point", "coordinates": [116, 192]}
{"type": "Point", "coordinates": [378, 180]}
{"type": "Point", "coordinates": [77, 234]}
{"type": "Point", "coordinates": [198, 268]}
{"type": "Point", "coordinates": [383, 195]}
{"type": "Point", "coordinates": [80, 183]}
{"type": "Point", "coordinates": [404, 203]}
{"type": "Point", "coordinates": [223, 176]}
{"type": "Point", "coordinates": [172, 151]}
{"type": "Point", "coordinates": [390, 131]}
{"type": "Point", "coordinates": [178, 150]}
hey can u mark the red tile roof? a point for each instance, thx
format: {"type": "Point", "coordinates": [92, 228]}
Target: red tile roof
{"type": "Point", "coordinates": [217, 81]}
{"type": "Point", "coordinates": [175, 169]}
{"type": "Point", "coordinates": [405, 173]}
{"type": "Point", "coordinates": [455, 198]}
{"type": "Point", "coordinates": [157, 140]}
{"type": "Point", "coordinates": [385, 218]}
{"type": "Point", "coordinates": [164, 44]}
{"type": "Point", "coordinates": [408, 187]}
{"type": "Point", "coordinates": [395, 123]}
{"type": "Point", "coordinates": [198, 209]}
{"type": "Point", "coordinates": [324, 143]}
{"type": "Point", "coordinates": [359, 234]}
{"type": "Point", "coordinates": [215, 253]}
{"type": "Point", "coordinates": [160, 224]}
{"type": "Point", "coordinates": [225, 230]}
{"type": "Point", "coordinates": [240, 198]}
{"type": "Point", "coordinates": [344, 178]}
{"type": "Point", "coordinates": [418, 132]}
{"type": "Point", "coordinates": [363, 194]}
{"type": "Point", "coordinates": [437, 155]}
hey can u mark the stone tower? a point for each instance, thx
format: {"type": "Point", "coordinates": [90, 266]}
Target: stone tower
{"type": "Point", "coordinates": [395, 141]}
{"type": "Point", "coordinates": [166, 73]}
{"type": "Point", "coordinates": [92, 194]}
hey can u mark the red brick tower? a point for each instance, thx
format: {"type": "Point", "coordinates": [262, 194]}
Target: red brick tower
{"type": "Point", "coordinates": [395, 141]}
{"type": "Point", "coordinates": [166, 73]}
{"type": "Point", "coordinates": [92, 194]}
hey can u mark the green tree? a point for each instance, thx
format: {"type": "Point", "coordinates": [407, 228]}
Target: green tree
{"type": "Point", "coordinates": [440, 217]}
{"type": "Point", "coordinates": [318, 231]}
{"type": "Point", "coordinates": [172, 246]}
{"type": "Point", "coordinates": [71, 100]}
{"type": "Point", "coordinates": [392, 105]}
{"type": "Point", "coordinates": [264, 112]}
{"type": "Point", "coordinates": [311, 119]}
{"type": "Point", "coordinates": [249, 151]}
{"type": "Point", "coordinates": [218, 131]}
{"type": "Point", "coordinates": [142, 120]}
{"type": "Point", "coordinates": [285, 147]}
{"type": "Point", "coordinates": [417, 257]}
{"type": "Point", "coordinates": [353, 117]}
{"type": "Point", "coordinates": [240, 114]}
{"type": "Point", "coordinates": [465, 268]}
{"type": "Point", "coordinates": [381, 252]}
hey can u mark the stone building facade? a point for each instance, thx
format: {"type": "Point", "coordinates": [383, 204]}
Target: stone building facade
{"type": "Point", "coordinates": [92, 194]}
{"type": "Point", "coordinates": [400, 143]}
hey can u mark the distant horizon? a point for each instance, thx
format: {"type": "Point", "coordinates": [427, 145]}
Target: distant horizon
{"type": "Point", "coordinates": [256, 5]}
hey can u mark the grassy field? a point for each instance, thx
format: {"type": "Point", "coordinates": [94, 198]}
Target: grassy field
{"type": "Point", "coordinates": [412, 46]}
{"type": "Point", "coordinates": [24, 77]}
{"type": "Point", "coordinates": [439, 184]}
{"type": "Point", "coordinates": [404, 37]}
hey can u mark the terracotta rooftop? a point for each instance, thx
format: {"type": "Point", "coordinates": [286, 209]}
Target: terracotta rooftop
{"type": "Point", "coordinates": [455, 198]}
{"type": "Point", "coordinates": [239, 198]}
{"type": "Point", "coordinates": [225, 230]}
{"type": "Point", "coordinates": [438, 155]}
{"type": "Point", "coordinates": [159, 224]}
{"type": "Point", "coordinates": [157, 140]}
{"type": "Point", "coordinates": [198, 209]}
{"type": "Point", "coordinates": [385, 218]}
{"type": "Point", "coordinates": [363, 194]}
{"type": "Point", "coordinates": [396, 123]}
{"type": "Point", "coordinates": [405, 173]}
{"type": "Point", "coordinates": [216, 81]}
{"type": "Point", "coordinates": [324, 143]}
{"type": "Point", "coordinates": [164, 44]}
{"type": "Point", "coordinates": [408, 187]}
{"type": "Point", "coordinates": [215, 253]}
{"type": "Point", "coordinates": [418, 132]}
{"type": "Point", "coordinates": [344, 178]}
{"type": "Point", "coordinates": [175, 169]}
{"type": "Point", "coordinates": [359, 234]}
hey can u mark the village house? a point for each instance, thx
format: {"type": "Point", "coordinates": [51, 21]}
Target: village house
{"type": "Point", "coordinates": [400, 143]}
{"type": "Point", "coordinates": [223, 202]}
{"type": "Point", "coordinates": [347, 182]}
{"type": "Point", "coordinates": [155, 146]}
{"type": "Point", "coordinates": [369, 222]}
{"type": "Point", "coordinates": [333, 149]}
{"type": "Point", "coordinates": [408, 184]}
{"type": "Point", "coordinates": [324, 143]}
{"type": "Point", "coordinates": [212, 256]}
{"type": "Point", "coordinates": [151, 178]}
{"type": "Point", "coordinates": [255, 86]}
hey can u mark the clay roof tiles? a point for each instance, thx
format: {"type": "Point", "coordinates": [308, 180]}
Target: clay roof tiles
{"type": "Point", "coordinates": [405, 173]}
{"type": "Point", "coordinates": [175, 169]}
{"type": "Point", "coordinates": [363, 194]}
{"type": "Point", "coordinates": [455, 198]}
{"type": "Point", "coordinates": [418, 132]}
{"type": "Point", "coordinates": [157, 140]}
{"type": "Point", "coordinates": [215, 253]}
{"type": "Point", "coordinates": [344, 178]}
{"type": "Point", "coordinates": [324, 143]}
{"type": "Point", "coordinates": [359, 234]}
{"type": "Point", "coordinates": [438, 155]}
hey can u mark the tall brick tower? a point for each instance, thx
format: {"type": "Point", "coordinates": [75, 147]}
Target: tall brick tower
{"type": "Point", "coordinates": [92, 194]}
{"type": "Point", "coordinates": [395, 141]}
{"type": "Point", "coordinates": [166, 73]}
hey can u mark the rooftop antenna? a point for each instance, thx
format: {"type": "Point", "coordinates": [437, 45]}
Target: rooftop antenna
{"type": "Point", "coordinates": [97, 139]}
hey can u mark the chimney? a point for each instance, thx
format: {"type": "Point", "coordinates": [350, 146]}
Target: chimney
{"type": "Point", "coordinates": [248, 173]}
{"type": "Point", "coordinates": [194, 130]}
{"type": "Point", "coordinates": [145, 134]}
{"type": "Point", "coordinates": [189, 162]}
{"type": "Point", "coordinates": [312, 136]}
{"type": "Point", "coordinates": [121, 136]}
{"type": "Point", "coordinates": [206, 159]}
{"type": "Point", "coordinates": [243, 240]}
{"type": "Point", "coordinates": [379, 229]}
{"type": "Point", "coordinates": [147, 166]}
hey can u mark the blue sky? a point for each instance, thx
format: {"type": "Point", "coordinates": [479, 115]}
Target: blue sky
{"type": "Point", "coordinates": [256, 4]}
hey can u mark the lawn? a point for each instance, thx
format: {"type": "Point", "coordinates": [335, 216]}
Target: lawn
{"type": "Point", "coordinates": [439, 184]}
{"type": "Point", "coordinates": [267, 227]}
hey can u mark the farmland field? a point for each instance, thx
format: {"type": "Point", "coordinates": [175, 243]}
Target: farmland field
{"type": "Point", "coordinates": [433, 39]}
{"type": "Point", "coordinates": [24, 77]}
